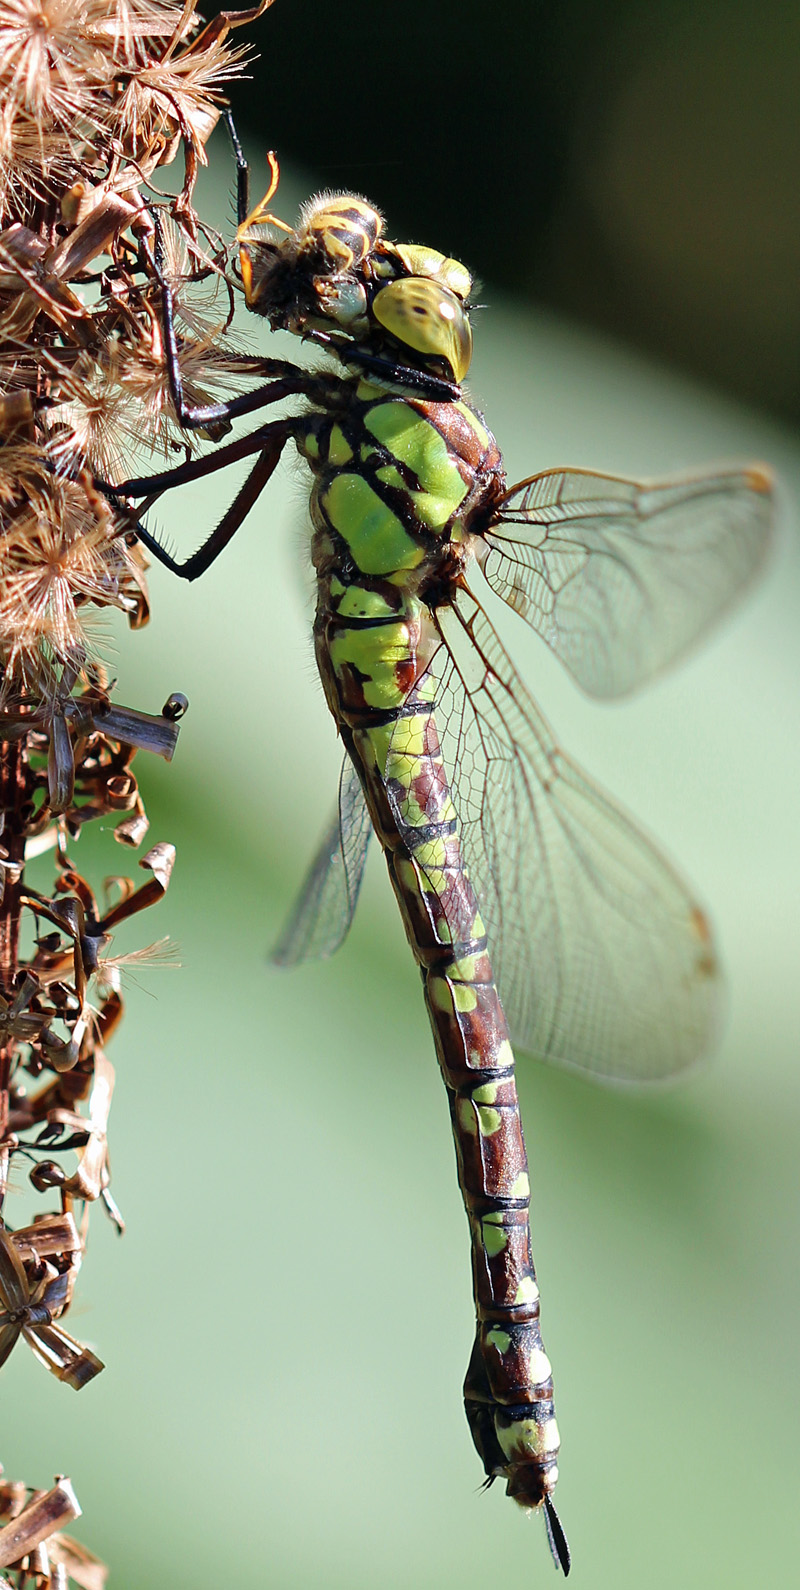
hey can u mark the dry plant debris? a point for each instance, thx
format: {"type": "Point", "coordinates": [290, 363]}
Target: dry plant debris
{"type": "Point", "coordinates": [96, 96]}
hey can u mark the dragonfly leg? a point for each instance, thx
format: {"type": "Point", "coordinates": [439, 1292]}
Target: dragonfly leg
{"type": "Point", "coordinates": [286, 379]}
{"type": "Point", "coordinates": [269, 442]}
{"type": "Point", "coordinates": [242, 168]}
{"type": "Point", "coordinates": [196, 468]}
{"type": "Point", "coordinates": [433, 387]}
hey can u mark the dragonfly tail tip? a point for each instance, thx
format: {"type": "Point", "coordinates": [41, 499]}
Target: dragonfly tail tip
{"type": "Point", "coordinates": [557, 1540]}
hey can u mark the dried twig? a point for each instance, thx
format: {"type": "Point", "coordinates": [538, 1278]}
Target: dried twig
{"type": "Point", "coordinates": [95, 97]}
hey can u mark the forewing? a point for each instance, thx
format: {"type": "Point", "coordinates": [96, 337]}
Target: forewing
{"type": "Point", "coordinates": [621, 578]}
{"type": "Point", "coordinates": [324, 910]}
{"type": "Point", "coordinates": [603, 960]}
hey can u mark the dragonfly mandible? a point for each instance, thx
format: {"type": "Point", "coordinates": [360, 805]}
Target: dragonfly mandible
{"type": "Point", "coordinates": [539, 914]}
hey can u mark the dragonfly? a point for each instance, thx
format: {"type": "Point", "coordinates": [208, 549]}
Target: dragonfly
{"type": "Point", "coordinates": [541, 918]}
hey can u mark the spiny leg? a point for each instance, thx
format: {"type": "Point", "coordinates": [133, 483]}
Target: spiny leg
{"type": "Point", "coordinates": [433, 387]}
{"type": "Point", "coordinates": [269, 442]}
{"type": "Point", "coordinates": [232, 519]}
{"type": "Point", "coordinates": [210, 463]}
{"type": "Point", "coordinates": [242, 169]}
{"type": "Point", "coordinates": [290, 378]}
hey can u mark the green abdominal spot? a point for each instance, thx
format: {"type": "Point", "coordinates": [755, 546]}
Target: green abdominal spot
{"type": "Point", "coordinates": [527, 1291]}
{"type": "Point", "coordinates": [486, 1093]}
{"type": "Point", "coordinates": [409, 809]}
{"type": "Point", "coordinates": [526, 1438]}
{"type": "Point", "coordinates": [493, 1236]}
{"type": "Point", "coordinates": [465, 970]}
{"type": "Point", "coordinates": [489, 1121]}
{"type": "Point", "coordinates": [467, 1118]}
{"type": "Point", "coordinates": [478, 1118]}
{"type": "Point", "coordinates": [375, 652]}
{"type": "Point", "coordinates": [451, 996]}
{"type": "Point", "coordinates": [356, 601]}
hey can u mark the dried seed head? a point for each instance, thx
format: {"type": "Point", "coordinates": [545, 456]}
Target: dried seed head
{"type": "Point", "coordinates": [82, 78]}
{"type": "Point", "coordinates": [94, 96]}
{"type": "Point", "coordinates": [59, 551]}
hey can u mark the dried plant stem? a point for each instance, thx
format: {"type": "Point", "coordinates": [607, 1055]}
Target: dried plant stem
{"type": "Point", "coordinates": [12, 796]}
{"type": "Point", "coordinates": [95, 96]}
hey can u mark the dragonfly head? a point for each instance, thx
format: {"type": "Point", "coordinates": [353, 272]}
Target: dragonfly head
{"type": "Point", "coordinates": [336, 272]}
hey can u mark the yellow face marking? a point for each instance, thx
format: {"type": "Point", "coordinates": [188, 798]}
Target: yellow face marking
{"type": "Point", "coordinates": [428, 318]}
{"type": "Point", "coordinates": [421, 261]}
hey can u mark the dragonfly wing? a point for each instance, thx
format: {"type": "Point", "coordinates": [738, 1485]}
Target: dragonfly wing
{"type": "Point", "coordinates": [603, 960]}
{"type": "Point", "coordinates": [324, 910]}
{"type": "Point", "coordinates": [621, 578]}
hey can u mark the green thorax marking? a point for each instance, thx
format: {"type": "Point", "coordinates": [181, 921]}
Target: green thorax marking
{"type": "Point", "coordinates": [387, 479]}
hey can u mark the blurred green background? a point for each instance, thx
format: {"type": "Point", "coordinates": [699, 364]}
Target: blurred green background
{"type": "Point", "coordinates": [287, 1321]}
{"type": "Point", "coordinates": [635, 166]}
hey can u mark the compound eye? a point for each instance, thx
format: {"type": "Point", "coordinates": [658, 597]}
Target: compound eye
{"type": "Point", "coordinates": [428, 318]}
{"type": "Point", "coordinates": [420, 261]}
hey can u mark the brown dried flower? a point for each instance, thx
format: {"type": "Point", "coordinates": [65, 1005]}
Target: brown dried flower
{"type": "Point", "coordinates": [95, 95]}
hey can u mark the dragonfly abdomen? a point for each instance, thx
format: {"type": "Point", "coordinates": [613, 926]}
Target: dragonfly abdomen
{"type": "Point", "coordinates": [508, 1390]}
{"type": "Point", "coordinates": [396, 750]}
{"type": "Point", "coordinates": [395, 484]}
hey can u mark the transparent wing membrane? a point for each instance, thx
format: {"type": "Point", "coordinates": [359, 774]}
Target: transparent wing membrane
{"type": "Point", "coordinates": [621, 578]}
{"type": "Point", "coordinates": [324, 910]}
{"type": "Point", "coordinates": [603, 959]}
